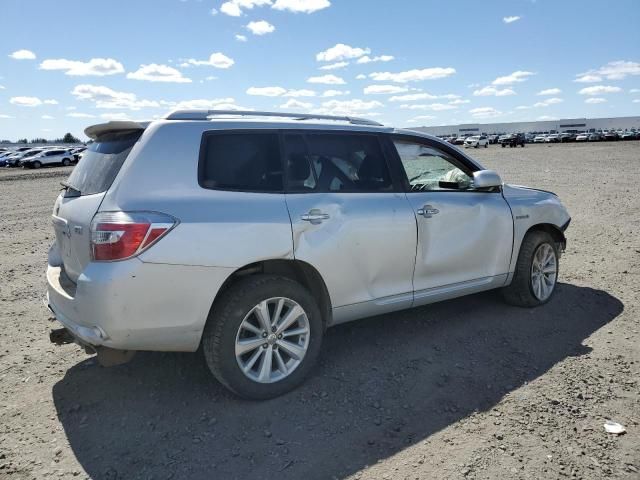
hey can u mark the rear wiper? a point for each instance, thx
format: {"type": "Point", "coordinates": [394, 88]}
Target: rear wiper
{"type": "Point", "coordinates": [71, 189]}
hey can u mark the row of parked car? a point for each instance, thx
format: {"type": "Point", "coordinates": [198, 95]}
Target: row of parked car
{"type": "Point", "coordinates": [37, 157]}
{"type": "Point", "coordinates": [516, 139]}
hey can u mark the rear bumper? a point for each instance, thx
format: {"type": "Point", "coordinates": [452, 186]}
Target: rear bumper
{"type": "Point", "coordinates": [132, 305]}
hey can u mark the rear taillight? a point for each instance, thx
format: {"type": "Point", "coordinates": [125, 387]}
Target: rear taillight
{"type": "Point", "coordinates": [120, 235]}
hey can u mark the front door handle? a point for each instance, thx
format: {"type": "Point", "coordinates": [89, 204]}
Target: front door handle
{"type": "Point", "coordinates": [428, 211]}
{"type": "Point", "coordinates": [314, 216]}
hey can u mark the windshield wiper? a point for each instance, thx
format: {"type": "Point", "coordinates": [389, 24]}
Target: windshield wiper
{"type": "Point", "coordinates": [70, 189]}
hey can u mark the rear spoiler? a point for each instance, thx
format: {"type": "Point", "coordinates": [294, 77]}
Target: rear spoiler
{"type": "Point", "coordinates": [94, 131]}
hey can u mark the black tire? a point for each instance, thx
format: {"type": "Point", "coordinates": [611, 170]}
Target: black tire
{"type": "Point", "coordinates": [228, 312]}
{"type": "Point", "coordinates": [503, 145]}
{"type": "Point", "coordinates": [520, 291]}
{"type": "Point", "coordinates": [486, 145]}
{"type": "Point", "coordinates": [66, 162]}
{"type": "Point", "coordinates": [36, 164]}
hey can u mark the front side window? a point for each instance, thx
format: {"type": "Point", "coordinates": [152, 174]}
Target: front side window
{"type": "Point", "coordinates": [430, 169]}
{"type": "Point", "coordinates": [336, 163]}
{"type": "Point", "coordinates": [241, 161]}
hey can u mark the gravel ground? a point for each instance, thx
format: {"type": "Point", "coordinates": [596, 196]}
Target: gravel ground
{"type": "Point", "coordinates": [470, 388]}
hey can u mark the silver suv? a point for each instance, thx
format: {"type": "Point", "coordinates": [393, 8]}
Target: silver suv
{"type": "Point", "coordinates": [247, 234]}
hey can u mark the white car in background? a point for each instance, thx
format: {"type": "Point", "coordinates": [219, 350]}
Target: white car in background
{"type": "Point", "coordinates": [54, 156]}
{"type": "Point", "coordinates": [476, 141]}
{"type": "Point", "coordinates": [583, 137]}
{"type": "Point", "coordinates": [553, 138]}
{"type": "Point", "coordinates": [540, 139]}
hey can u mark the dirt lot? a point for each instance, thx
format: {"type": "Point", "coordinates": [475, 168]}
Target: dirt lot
{"type": "Point", "coordinates": [470, 388]}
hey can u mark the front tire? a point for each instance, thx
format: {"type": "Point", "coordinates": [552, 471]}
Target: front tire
{"type": "Point", "coordinates": [66, 162]}
{"type": "Point", "coordinates": [263, 336]}
{"type": "Point", "coordinates": [36, 164]}
{"type": "Point", "coordinates": [536, 272]}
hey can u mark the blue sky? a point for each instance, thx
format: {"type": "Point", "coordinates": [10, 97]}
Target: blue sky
{"type": "Point", "coordinates": [72, 63]}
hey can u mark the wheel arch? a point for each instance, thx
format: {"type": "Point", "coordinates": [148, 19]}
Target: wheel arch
{"type": "Point", "coordinates": [556, 233]}
{"type": "Point", "coordinates": [296, 270]}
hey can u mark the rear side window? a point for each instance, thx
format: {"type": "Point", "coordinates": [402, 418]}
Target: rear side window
{"type": "Point", "coordinates": [336, 163]}
{"type": "Point", "coordinates": [241, 161]}
{"type": "Point", "coordinates": [101, 162]}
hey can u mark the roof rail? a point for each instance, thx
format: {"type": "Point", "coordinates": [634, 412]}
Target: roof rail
{"type": "Point", "coordinates": [205, 114]}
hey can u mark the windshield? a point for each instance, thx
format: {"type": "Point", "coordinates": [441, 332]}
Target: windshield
{"type": "Point", "coordinates": [101, 162]}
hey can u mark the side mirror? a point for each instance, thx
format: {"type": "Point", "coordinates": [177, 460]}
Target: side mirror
{"type": "Point", "coordinates": [486, 179]}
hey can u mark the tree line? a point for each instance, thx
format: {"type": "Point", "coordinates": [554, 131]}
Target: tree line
{"type": "Point", "coordinates": [68, 138]}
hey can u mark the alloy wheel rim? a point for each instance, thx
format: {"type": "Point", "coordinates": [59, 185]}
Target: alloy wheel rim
{"type": "Point", "coordinates": [544, 271]}
{"type": "Point", "coordinates": [272, 340]}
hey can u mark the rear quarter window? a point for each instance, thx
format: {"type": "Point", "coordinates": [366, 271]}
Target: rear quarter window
{"type": "Point", "coordinates": [244, 161]}
{"type": "Point", "coordinates": [102, 161]}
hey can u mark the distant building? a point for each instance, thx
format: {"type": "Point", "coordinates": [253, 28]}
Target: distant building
{"type": "Point", "coordinates": [546, 126]}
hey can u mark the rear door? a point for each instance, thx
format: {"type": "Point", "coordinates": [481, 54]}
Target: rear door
{"type": "Point", "coordinates": [349, 219]}
{"type": "Point", "coordinates": [85, 188]}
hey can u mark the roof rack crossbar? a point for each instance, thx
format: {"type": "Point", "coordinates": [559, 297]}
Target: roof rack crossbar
{"type": "Point", "coordinates": [205, 114]}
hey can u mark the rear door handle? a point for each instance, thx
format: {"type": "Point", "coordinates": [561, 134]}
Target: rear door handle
{"type": "Point", "coordinates": [314, 216]}
{"type": "Point", "coordinates": [428, 211]}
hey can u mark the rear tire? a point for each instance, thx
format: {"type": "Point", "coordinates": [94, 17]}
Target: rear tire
{"type": "Point", "coordinates": [523, 291]}
{"type": "Point", "coordinates": [66, 162]}
{"type": "Point", "coordinates": [36, 164]}
{"type": "Point", "coordinates": [235, 320]}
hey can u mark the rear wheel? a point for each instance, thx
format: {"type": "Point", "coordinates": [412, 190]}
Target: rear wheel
{"type": "Point", "coordinates": [66, 162]}
{"type": "Point", "coordinates": [536, 272]}
{"type": "Point", "coordinates": [36, 164]}
{"type": "Point", "coordinates": [263, 336]}
{"type": "Point", "coordinates": [486, 145]}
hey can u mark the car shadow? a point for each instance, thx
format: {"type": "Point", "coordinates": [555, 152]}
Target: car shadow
{"type": "Point", "coordinates": [382, 384]}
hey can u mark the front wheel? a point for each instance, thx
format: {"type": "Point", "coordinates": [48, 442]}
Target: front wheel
{"type": "Point", "coordinates": [66, 162]}
{"type": "Point", "coordinates": [263, 336]}
{"type": "Point", "coordinates": [36, 164]}
{"type": "Point", "coordinates": [536, 272]}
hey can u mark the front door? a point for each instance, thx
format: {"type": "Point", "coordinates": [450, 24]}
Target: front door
{"type": "Point", "coordinates": [465, 235]}
{"type": "Point", "coordinates": [350, 221]}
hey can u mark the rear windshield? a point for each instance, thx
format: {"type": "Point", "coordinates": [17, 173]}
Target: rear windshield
{"type": "Point", "coordinates": [101, 162]}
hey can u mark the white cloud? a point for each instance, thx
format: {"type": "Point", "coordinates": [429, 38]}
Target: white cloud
{"type": "Point", "coordinates": [384, 89]}
{"type": "Point", "coordinates": [380, 58]}
{"type": "Point", "coordinates": [346, 107]}
{"type": "Point", "coordinates": [523, 107]}
{"type": "Point", "coordinates": [279, 92]}
{"type": "Point", "coordinates": [2, 115]}
{"type": "Point", "coordinates": [294, 104]}
{"type": "Point", "coordinates": [412, 97]}
{"type": "Point", "coordinates": [98, 67]}
{"type": "Point", "coordinates": [327, 80]}
{"type": "Point", "coordinates": [550, 91]}
{"type": "Point", "coordinates": [637, 100]}
{"type": "Point", "coordinates": [511, 19]}
{"type": "Point", "coordinates": [105, 97]}
{"type": "Point", "coordinates": [340, 51]}
{"type": "Point", "coordinates": [50, 101]}
{"type": "Point", "coordinates": [599, 90]}
{"type": "Point", "coordinates": [515, 77]}
{"type": "Point", "coordinates": [361, 76]}
{"type": "Point", "coordinates": [234, 7]}
{"type": "Point", "coordinates": [266, 91]}
{"type": "Point", "coordinates": [459, 101]}
{"type": "Point", "coordinates": [548, 101]}
{"type": "Point", "coordinates": [241, 38]}
{"type": "Point", "coordinates": [208, 104]}
{"type": "Point", "coordinates": [213, 12]}
{"type": "Point", "coordinates": [489, 91]}
{"type": "Point", "coordinates": [47, 117]}
{"type": "Point", "coordinates": [588, 78]}
{"type": "Point", "coordinates": [1, 87]}
{"type": "Point", "coordinates": [300, 93]}
{"type": "Point", "coordinates": [634, 90]}
{"type": "Point", "coordinates": [301, 6]}
{"type": "Point", "coordinates": [546, 117]}
{"type": "Point", "coordinates": [158, 73]}
{"type": "Point", "coordinates": [595, 100]}
{"type": "Point", "coordinates": [80, 115]}
{"type": "Point", "coordinates": [334, 66]}
{"type": "Point", "coordinates": [421, 117]}
{"type": "Point", "coordinates": [216, 59]}
{"type": "Point", "coordinates": [26, 101]}
{"type": "Point", "coordinates": [261, 27]}
{"type": "Point", "coordinates": [484, 112]}
{"type": "Point", "coordinates": [413, 75]}
{"type": "Point", "coordinates": [436, 107]}
{"type": "Point", "coordinates": [23, 55]}
{"type": "Point", "coordinates": [617, 70]}
{"type": "Point", "coordinates": [335, 93]}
